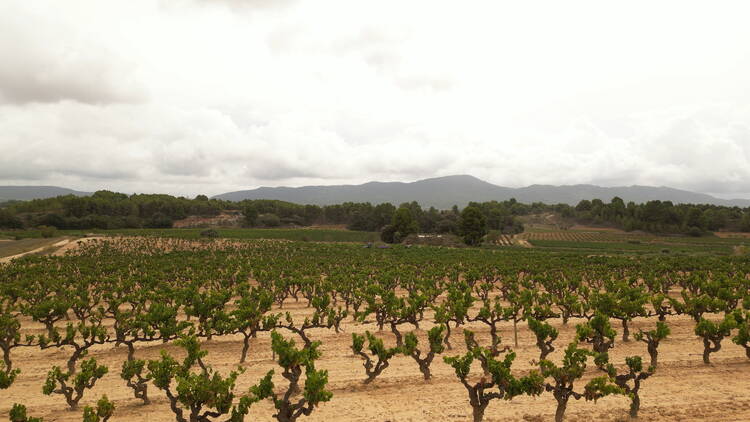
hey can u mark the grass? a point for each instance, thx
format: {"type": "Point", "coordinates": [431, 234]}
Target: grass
{"type": "Point", "coordinates": [16, 247]}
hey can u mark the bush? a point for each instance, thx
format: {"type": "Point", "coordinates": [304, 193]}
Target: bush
{"type": "Point", "coordinates": [694, 232]}
{"type": "Point", "coordinates": [209, 233]}
{"type": "Point", "coordinates": [269, 220]}
{"type": "Point", "coordinates": [47, 231]}
{"type": "Point", "coordinates": [388, 234]}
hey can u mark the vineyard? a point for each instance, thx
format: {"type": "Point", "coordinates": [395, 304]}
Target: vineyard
{"type": "Point", "coordinates": [164, 329]}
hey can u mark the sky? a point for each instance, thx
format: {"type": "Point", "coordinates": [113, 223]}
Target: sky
{"type": "Point", "coordinates": [207, 96]}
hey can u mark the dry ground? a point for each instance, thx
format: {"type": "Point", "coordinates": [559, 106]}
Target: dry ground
{"type": "Point", "coordinates": [683, 389]}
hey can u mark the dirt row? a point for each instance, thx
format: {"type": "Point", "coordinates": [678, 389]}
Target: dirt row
{"type": "Point", "coordinates": [683, 389]}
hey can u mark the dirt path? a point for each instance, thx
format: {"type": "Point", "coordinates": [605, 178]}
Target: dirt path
{"type": "Point", "coordinates": [62, 246]}
{"type": "Point", "coordinates": [74, 244]}
{"type": "Point", "coordinates": [58, 244]}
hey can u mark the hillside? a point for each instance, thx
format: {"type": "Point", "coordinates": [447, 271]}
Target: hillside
{"type": "Point", "coordinates": [444, 192]}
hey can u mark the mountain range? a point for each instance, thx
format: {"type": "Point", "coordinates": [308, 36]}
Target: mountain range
{"type": "Point", "coordinates": [26, 193]}
{"type": "Point", "coordinates": [439, 192]}
{"type": "Point", "coordinates": [444, 192]}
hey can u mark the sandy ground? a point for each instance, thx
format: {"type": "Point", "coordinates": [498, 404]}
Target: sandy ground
{"type": "Point", "coordinates": [74, 244]}
{"type": "Point", "coordinates": [683, 389]}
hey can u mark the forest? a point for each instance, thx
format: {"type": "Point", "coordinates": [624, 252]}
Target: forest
{"type": "Point", "coordinates": [110, 210]}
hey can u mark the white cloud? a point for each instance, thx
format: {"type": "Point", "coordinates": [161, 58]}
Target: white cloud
{"type": "Point", "coordinates": [204, 97]}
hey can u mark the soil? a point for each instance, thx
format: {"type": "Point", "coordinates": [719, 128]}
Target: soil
{"type": "Point", "coordinates": [683, 388]}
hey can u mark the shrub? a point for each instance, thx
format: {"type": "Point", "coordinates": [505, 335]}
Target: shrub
{"type": "Point", "coordinates": [47, 231]}
{"type": "Point", "coordinates": [294, 362]}
{"type": "Point", "coordinates": [388, 234]}
{"type": "Point", "coordinates": [18, 414]}
{"type": "Point", "coordinates": [269, 220]}
{"type": "Point", "coordinates": [435, 337]}
{"type": "Point", "coordinates": [564, 377]}
{"type": "Point", "coordinates": [102, 413]}
{"type": "Point", "coordinates": [377, 350]}
{"type": "Point", "coordinates": [545, 335]}
{"type": "Point", "coordinates": [652, 339]}
{"type": "Point", "coordinates": [498, 375]}
{"type": "Point", "coordinates": [211, 233]}
{"type": "Point", "coordinates": [57, 381]}
{"type": "Point", "coordinates": [205, 394]}
{"type": "Point", "coordinates": [713, 333]}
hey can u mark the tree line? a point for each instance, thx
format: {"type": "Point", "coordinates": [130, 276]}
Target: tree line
{"type": "Point", "coordinates": [111, 210]}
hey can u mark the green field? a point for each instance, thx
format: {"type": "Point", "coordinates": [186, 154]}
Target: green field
{"type": "Point", "coordinates": [313, 235]}
{"type": "Point", "coordinates": [581, 242]}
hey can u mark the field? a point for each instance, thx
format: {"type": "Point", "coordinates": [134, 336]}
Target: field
{"type": "Point", "coordinates": [311, 234]}
{"type": "Point", "coordinates": [121, 288]}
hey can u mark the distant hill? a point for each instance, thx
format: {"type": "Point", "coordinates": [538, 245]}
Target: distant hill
{"type": "Point", "coordinates": [25, 193]}
{"type": "Point", "coordinates": [444, 192]}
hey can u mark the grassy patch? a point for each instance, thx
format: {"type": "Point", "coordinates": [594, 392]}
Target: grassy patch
{"type": "Point", "coordinates": [15, 247]}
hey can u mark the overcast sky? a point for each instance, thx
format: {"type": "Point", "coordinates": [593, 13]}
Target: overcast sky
{"type": "Point", "coordinates": [208, 96]}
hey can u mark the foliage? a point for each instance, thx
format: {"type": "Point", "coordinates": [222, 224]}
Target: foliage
{"type": "Point", "coordinates": [18, 414]}
{"type": "Point", "coordinates": [472, 225]}
{"type": "Point", "coordinates": [294, 362]}
{"type": "Point", "coordinates": [103, 411]}
{"type": "Point", "coordinates": [498, 376]}
{"type": "Point", "coordinates": [382, 355]}
{"type": "Point", "coordinates": [57, 381]}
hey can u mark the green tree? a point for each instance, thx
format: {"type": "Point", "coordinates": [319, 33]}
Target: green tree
{"type": "Point", "coordinates": [473, 225]}
{"type": "Point", "coordinates": [250, 213]}
{"type": "Point", "coordinates": [435, 337]}
{"type": "Point", "coordinates": [373, 368]}
{"type": "Point", "coordinates": [498, 382]}
{"type": "Point", "coordinates": [403, 224]}
{"type": "Point", "coordinates": [294, 362]}
{"type": "Point", "coordinates": [18, 414]}
{"type": "Point", "coordinates": [102, 412]}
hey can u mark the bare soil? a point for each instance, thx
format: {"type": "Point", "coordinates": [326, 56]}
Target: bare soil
{"type": "Point", "coordinates": [683, 389]}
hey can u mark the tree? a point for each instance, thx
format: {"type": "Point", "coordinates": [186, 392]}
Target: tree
{"type": "Point", "coordinates": [206, 394]}
{"type": "Point", "coordinates": [472, 225]}
{"type": "Point", "coordinates": [103, 411]}
{"type": "Point", "coordinates": [598, 332]}
{"type": "Point", "coordinates": [545, 335]}
{"type": "Point", "coordinates": [652, 339]}
{"type": "Point", "coordinates": [564, 377]}
{"type": "Point", "coordinates": [57, 381]}
{"type": "Point", "coordinates": [250, 213]}
{"type": "Point", "coordinates": [377, 350]}
{"type": "Point", "coordinates": [403, 224]}
{"type": "Point", "coordinates": [435, 338]}
{"type": "Point", "coordinates": [743, 331]}
{"type": "Point", "coordinates": [294, 361]}
{"type": "Point", "coordinates": [636, 374]}
{"type": "Point", "coordinates": [18, 414]}
{"type": "Point", "coordinates": [498, 375]}
{"type": "Point", "coordinates": [713, 333]}
{"type": "Point", "coordinates": [10, 338]}
{"type": "Point", "coordinates": [248, 317]}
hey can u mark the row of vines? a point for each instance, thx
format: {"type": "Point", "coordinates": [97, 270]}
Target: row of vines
{"type": "Point", "coordinates": [135, 291]}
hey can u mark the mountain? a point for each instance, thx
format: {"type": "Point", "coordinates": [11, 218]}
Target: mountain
{"type": "Point", "coordinates": [444, 192]}
{"type": "Point", "coordinates": [25, 193]}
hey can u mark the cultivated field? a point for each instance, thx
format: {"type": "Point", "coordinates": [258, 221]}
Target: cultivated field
{"type": "Point", "coordinates": [204, 282]}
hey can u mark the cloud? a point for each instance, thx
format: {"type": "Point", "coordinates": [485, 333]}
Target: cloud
{"type": "Point", "coordinates": [48, 60]}
{"type": "Point", "coordinates": [205, 97]}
